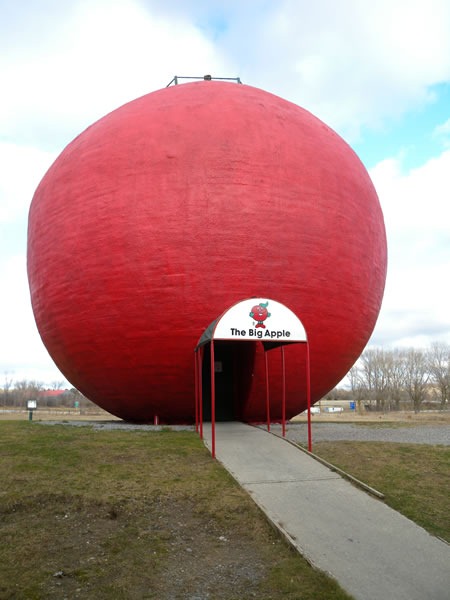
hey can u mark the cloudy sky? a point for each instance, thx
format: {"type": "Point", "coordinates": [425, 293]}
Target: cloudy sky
{"type": "Point", "coordinates": [377, 71]}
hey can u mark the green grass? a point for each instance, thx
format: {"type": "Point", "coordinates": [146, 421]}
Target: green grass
{"type": "Point", "coordinates": [115, 514]}
{"type": "Point", "coordinates": [415, 478]}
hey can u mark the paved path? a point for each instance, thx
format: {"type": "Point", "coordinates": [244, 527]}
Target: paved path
{"type": "Point", "coordinates": [373, 551]}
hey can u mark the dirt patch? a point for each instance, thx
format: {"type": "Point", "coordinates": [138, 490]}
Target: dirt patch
{"type": "Point", "coordinates": [157, 549]}
{"type": "Point", "coordinates": [97, 514]}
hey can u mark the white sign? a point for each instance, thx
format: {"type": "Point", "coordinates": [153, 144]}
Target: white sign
{"type": "Point", "coordinates": [31, 404]}
{"type": "Point", "coordinates": [260, 319]}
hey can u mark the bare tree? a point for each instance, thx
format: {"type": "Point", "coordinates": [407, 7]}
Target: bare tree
{"type": "Point", "coordinates": [439, 367]}
{"type": "Point", "coordinates": [25, 390]}
{"type": "Point", "coordinates": [57, 385]}
{"type": "Point", "coordinates": [397, 377]}
{"type": "Point", "coordinates": [7, 384]}
{"type": "Point", "coordinates": [357, 385]}
{"type": "Point", "coordinates": [416, 376]}
{"type": "Point", "coordinates": [387, 377]}
{"type": "Point", "coordinates": [376, 365]}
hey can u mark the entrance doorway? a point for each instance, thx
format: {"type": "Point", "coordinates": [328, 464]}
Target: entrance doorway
{"type": "Point", "coordinates": [233, 377]}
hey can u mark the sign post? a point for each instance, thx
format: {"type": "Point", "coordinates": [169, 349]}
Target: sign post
{"type": "Point", "coordinates": [31, 405]}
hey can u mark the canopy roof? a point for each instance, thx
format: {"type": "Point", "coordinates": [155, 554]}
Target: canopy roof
{"type": "Point", "coordinates": [256, 319]}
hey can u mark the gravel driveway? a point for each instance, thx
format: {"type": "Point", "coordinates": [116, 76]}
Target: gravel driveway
{"type": "Point", "coordinates": [321, 432]}
{"type": "Point", "coordinates": [333, 432]}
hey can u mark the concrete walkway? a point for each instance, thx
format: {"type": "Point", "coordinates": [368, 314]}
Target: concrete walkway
{"type": "Point", "coordinates": [370, 549]}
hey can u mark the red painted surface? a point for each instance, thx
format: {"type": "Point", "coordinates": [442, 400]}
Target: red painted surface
{"type": "Point", "coordinates": [172, 208]}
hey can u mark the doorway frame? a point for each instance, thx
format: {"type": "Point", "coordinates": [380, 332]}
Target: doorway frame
{"type": "Point", "coordinates": [288, 329]}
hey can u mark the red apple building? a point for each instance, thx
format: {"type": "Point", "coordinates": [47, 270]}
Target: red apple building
{"type": "Point", "coordinates": [173, 208]}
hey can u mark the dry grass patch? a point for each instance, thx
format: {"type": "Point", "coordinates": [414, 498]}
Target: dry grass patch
{"type": "Point", "coordinates": [401, 418]}
{"type": "Point", "coordinates": [414, 478]}
{"type": "Point", "coordinates": [132, 515]}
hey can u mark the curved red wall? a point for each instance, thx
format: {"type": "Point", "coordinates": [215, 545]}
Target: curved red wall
{"type": "Point", "coordinates": [172, 208]}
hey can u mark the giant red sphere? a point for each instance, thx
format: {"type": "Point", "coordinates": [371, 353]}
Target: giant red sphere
{"type": "Point", "coordinates": [167, 211]}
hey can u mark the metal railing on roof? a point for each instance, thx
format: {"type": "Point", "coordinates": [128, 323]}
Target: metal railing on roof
{"type": "Point", "coordinates": [204, 77]}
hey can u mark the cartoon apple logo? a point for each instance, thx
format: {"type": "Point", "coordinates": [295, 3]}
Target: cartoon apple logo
{"type": "Point", "coordinates": [260, 313]}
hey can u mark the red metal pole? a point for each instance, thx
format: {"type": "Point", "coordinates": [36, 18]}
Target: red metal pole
{"type": "Point", "coordinates": [196, 389]}
{"type": "Point", "coordinates": [267, 392]}
{"type": "Point", "coordinates": [308, 395]}
{"type": "Point", "coordinates": [200, 390]}
{"type": "Point", "coordinates": [283, 399]}
{"type": "Point", "coordinates": [213, 403]}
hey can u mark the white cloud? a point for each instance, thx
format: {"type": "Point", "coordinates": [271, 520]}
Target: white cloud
{"type": "Point", "coordinates": [22, 353]}
{"type": "Point", "coordinates": [20, 340]}
{"type": "Point", "coordinates": [101, 55]}
{"type": "Point", "coordinates": [415, 207]}
{"type": "Point", "coordinates": [353, 63]}
{"type": "Point", "coordinates": [442, 133]}
{"type": "Point", "coordinates": [418, 198]}
{"type": "Point", "coordinates": [22, 169]}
